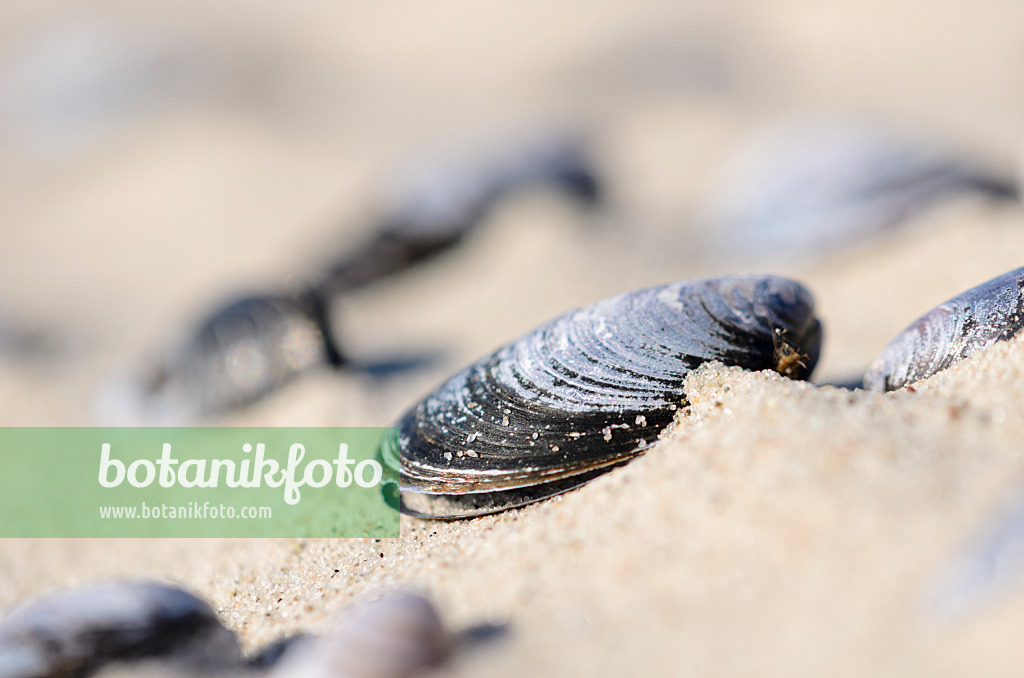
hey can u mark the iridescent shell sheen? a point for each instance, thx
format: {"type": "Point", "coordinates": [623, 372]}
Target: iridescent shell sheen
{"type": "Point", "coordinates": [588, 391]}
{"type": "Point", "coordinates": [952, 331]}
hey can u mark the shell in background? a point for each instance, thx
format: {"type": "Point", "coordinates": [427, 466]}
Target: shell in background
{"type": "Point", "coordinates": [818, 185]}
{"type": "Point", "coordinates": [443, 198]}
{"type": "Point", "coordinates": [954, 330]}
{"type": "Point", "coordinates": [396, 636]}
{"type": "Point", "coordinates": [77, 632]}
{"type": "Point", "coordinates": [989, 567]}
{"type": "Point", "coordinates": [239, 354]}
{"type": "Point", "coordinates": [588, 391]}
{"type": "Point", "coordinates": [252, 346]}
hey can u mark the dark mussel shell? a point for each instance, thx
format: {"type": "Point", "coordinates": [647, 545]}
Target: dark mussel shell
{"type": "Point", "coordinates": [240, 353]}
{"type": "Point", "coordinates": [952, 331]}
{"type": "Point", "coordinates": [588, 391]}
{"type": "Point", "coordinates": [76, 633]}
{"type": "Point", "coordinates": [444, 199]}
{"type": "Point", "coordinates": [253, 346]}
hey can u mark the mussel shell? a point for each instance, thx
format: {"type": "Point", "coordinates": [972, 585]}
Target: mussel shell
{"type": "Point", "coordinates": [239, 353]}
{"type": "Point", "coordinates": [397, 636]}
{"type": "Point", "coordinates": [443, 199]}
{"type": "Point", "coordinates": [589, 390]}
{"type": "Point", "coordinates": [952, 331]}
{"type": "Point", "coordinates": [447, 193]}
{"type": "Point", "coordinates": [75, 633]}
{"type": "Point", "coordinates": [253, 346]}
{"type": "Point", "coordinates": [815, 185]}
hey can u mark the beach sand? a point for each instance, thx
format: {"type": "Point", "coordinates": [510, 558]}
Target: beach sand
{"type": "Point", "coordinates": [781, 528]}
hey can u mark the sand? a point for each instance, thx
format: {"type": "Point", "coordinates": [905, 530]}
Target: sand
{"type": "Point", "coordinates": [781, 528]}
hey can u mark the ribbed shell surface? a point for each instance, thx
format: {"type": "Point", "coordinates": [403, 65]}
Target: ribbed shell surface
{"type": "Point", "coordinates": [954, 330]}
{"type": "Point", "coordinates": [595, 386]}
